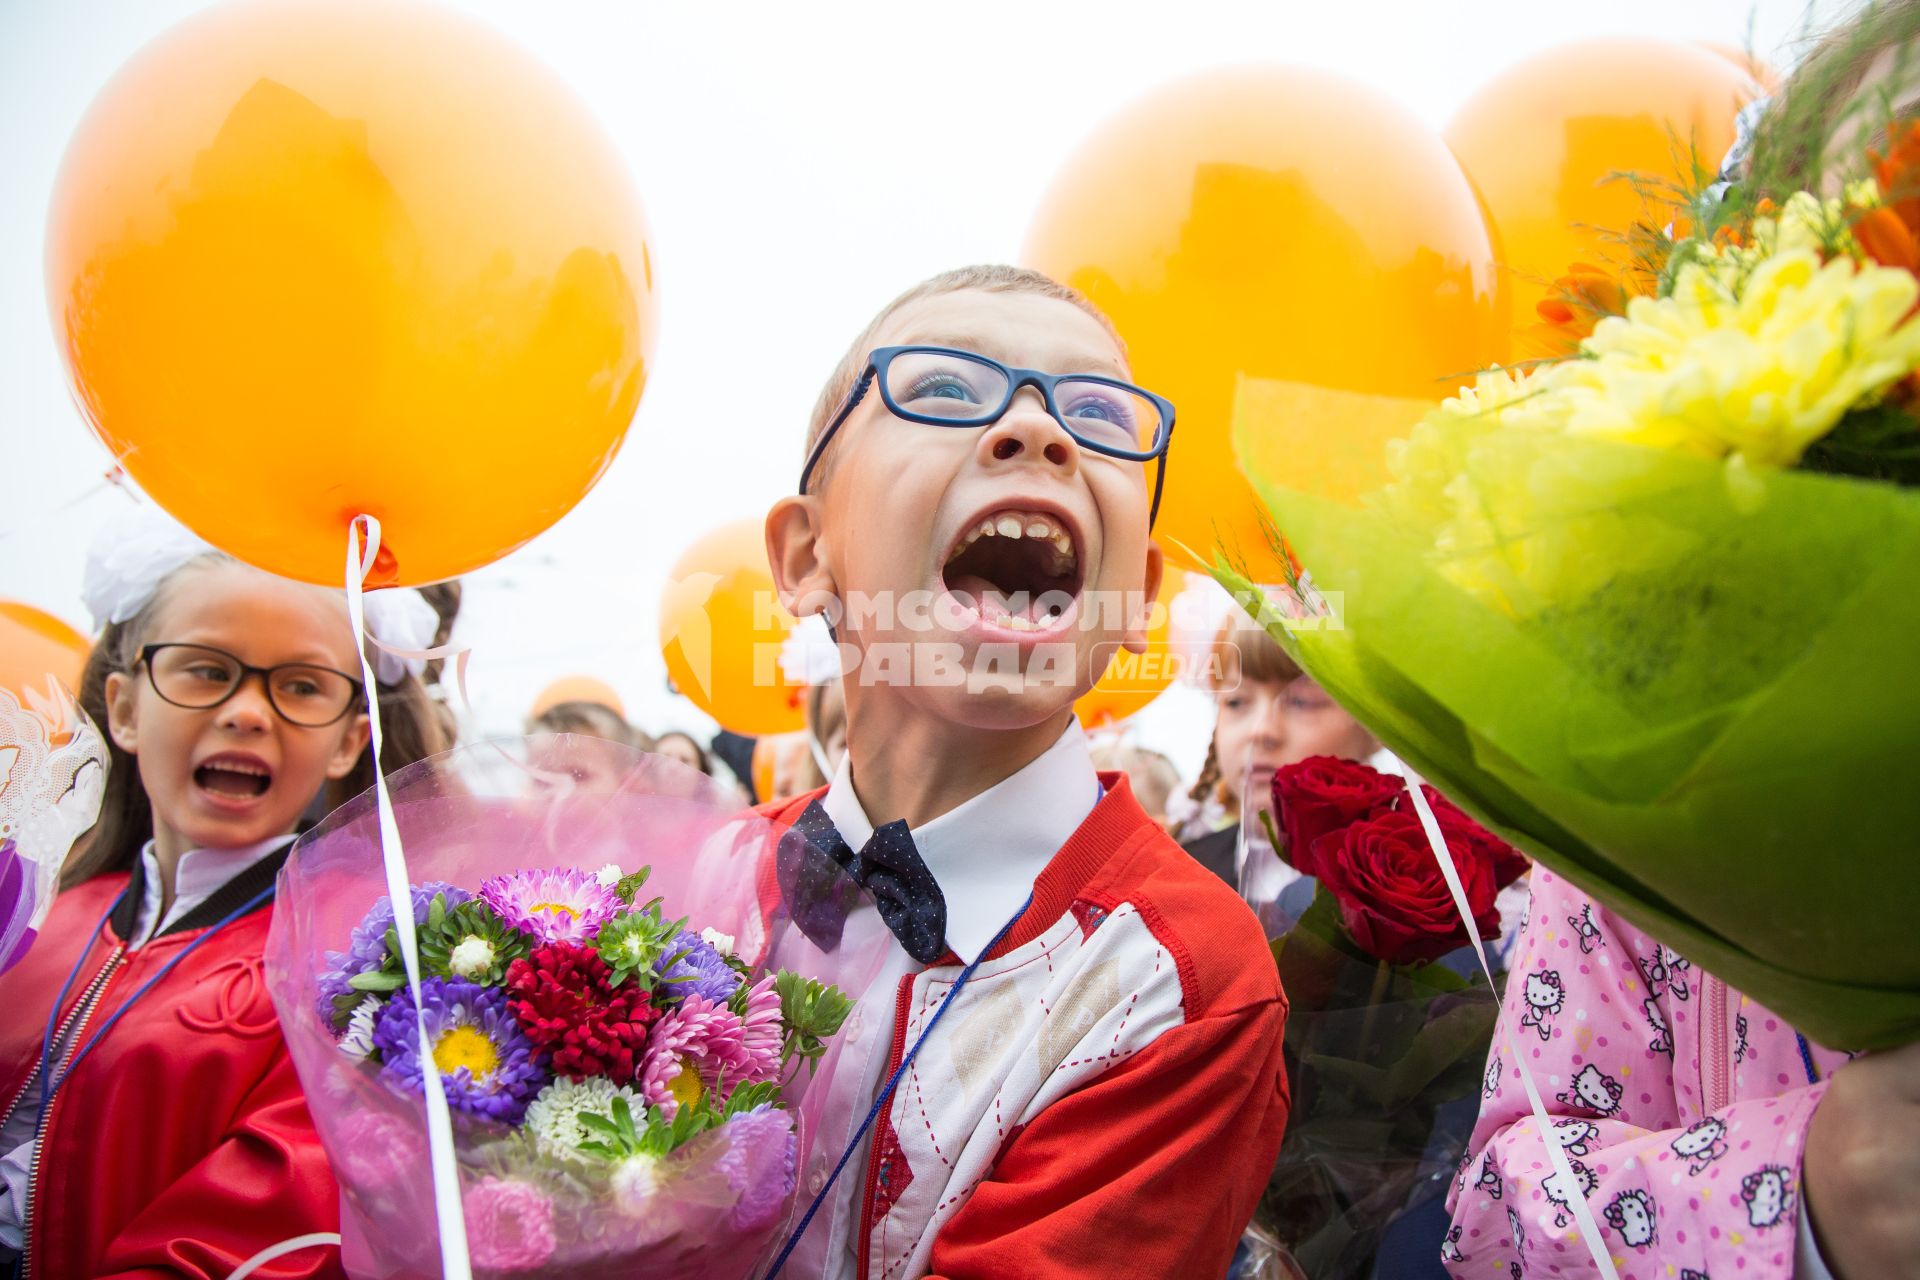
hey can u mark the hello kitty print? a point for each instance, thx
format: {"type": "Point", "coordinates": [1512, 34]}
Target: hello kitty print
{"type": "Point", "coordinates": [1681, 1105]}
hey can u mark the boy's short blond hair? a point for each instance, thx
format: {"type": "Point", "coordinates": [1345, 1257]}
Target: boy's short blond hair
{"type": "Point", "coordinates": [991, 277]}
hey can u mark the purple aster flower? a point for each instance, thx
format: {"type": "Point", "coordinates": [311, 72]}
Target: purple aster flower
{"type": "Point", "coordinates": [367, 949]}
{"type": "Point", "coordinates": [759, 1164]}
{"type": "Point", "coordinates": [554, 904]}
{"type": "Point", "coordinates": [691, 967]}
{"type": "Point", "coordinates": [485, 1063]}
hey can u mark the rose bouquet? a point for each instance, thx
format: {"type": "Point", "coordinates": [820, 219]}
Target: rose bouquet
{"type": "Point", "coordinates": [1381, 1039]}
{"type": "Point", "coordinates": [1643, 609]}
{"type": "Point", "coordinates": [615, 1071]}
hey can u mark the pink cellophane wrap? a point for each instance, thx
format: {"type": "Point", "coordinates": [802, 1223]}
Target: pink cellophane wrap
{"type": "Point", "coordinates": [493, 808]}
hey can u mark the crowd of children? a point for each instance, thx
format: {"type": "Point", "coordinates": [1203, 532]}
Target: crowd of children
{"type": "Point", "coordinates": [1105, 1093]}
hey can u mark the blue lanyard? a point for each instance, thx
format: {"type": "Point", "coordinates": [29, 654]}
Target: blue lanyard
{"type": "Point", "coordinates": [886, 1091]}
{"type": "Point", "coordinates": [48, 1085]}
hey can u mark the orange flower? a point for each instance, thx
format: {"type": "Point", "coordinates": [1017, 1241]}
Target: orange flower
{"type": "Point", "coordinates": [1577, 302]}
{"type": "Point", "coordinates": [1898, 173]}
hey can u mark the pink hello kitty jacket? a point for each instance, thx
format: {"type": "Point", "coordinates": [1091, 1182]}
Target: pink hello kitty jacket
{"type": "Point", "coordinates": [1682, 1106]}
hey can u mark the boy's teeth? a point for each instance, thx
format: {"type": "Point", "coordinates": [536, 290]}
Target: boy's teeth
{"type": "Point", "coordinates": [1010, 525]}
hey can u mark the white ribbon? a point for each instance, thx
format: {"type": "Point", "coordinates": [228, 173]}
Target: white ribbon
{"type": "Point", "coordinates": [317, 1240]}
{"type": "Point", "coordinates": [454, 1263]}
{"type": "Point", "coordinates": [1576, 1200]}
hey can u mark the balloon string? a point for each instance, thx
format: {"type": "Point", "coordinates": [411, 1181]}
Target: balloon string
{"type": "Point", "coordinates": [1556, 1154]}
{"type": "Point", "coordinates": [454, 1262]}
{"type": "Point", "coordinates": [316, 1240]}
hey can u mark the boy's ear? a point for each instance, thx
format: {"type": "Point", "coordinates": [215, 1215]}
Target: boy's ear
{"type": "Point", "coordinates": [353, 741]}
{"type": "Point", "coordinates": [796, 552]}
{"type": "Point", "coordinates": [122, 694]}
{"type": "Point", "coordinates": [1136, 641]}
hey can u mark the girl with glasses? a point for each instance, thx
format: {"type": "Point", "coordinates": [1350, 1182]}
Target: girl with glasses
{"type": "Point", "coordinates": [153, 1119]}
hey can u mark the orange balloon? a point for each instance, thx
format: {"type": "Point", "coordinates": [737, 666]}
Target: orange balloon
{"type": "Point", "coordinates": [314, 258]}
{"type": "Point", "coordinates": [1132, 680]}
{"type": "Point", "coordinates": [578, 689]}
{"type": "Point", "coordinates": [1542, 140]}
{"type": "Point", "coordinates": [1759, 68]}
{"type": "Point", "coordinates": [722, 629]}
{"type": "Point", "coordinates": [1270, 223]}
{"type": "Point", "coordinates": [34, 645]}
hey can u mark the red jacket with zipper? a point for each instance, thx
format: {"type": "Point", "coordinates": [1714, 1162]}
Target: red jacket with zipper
{"type": "Point", "coordinates": [181, 1144]}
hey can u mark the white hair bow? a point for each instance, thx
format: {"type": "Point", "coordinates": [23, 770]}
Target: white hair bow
{"type": "Point", "coordinates": [139, 550]}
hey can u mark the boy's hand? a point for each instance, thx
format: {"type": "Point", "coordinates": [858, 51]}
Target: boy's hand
{"type": "Point", "coordinates": [1862, 1166]}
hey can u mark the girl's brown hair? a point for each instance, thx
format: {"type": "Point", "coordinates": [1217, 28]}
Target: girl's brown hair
{"type": "Point", "coordinates": [1240, 652]}
{"type": "Point", "coordinates": [1790, 142]}
{"type": "Point", "coordinates": [410, 732]}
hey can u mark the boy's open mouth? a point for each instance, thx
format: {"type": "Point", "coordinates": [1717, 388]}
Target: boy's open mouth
{"type": "Point", "coordinates": [1018, 569]}
{"type": "Point", "coordinates": [233, 775]}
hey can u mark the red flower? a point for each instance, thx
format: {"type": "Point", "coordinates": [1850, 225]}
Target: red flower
{"type": "Point", "coordinates": [1393, 898]}
{"type": "Point", "coordinates": [1464, 835]}
{"type": "Point", "coordinates": [564, 1003]}
{"type": "Point", "coordinates": [1323, 794]}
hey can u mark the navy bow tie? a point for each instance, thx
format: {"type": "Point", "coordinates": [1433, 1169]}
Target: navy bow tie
{"type": "Point", "coordinates": [810, 863]}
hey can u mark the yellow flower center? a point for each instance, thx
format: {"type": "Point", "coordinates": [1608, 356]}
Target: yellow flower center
{"type": "Point", "coordinates": [465, 1047]}
{"type": "Point", "coordinates": [686, 1088]}
{"type": "Point", "coordinates": [553, 908]}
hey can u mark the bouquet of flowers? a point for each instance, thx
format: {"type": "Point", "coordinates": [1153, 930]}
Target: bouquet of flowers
{"type": "Point", "coordinates": [1641, 608]}
{"type": "Point", "coordinates": [615, 1071]}
{"type": "Point", "coordinates": [1385, 1046]}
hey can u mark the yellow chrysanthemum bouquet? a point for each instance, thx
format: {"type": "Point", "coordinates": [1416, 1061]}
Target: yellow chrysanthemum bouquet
{"type": "Point", "coordinates": [1650, 610]}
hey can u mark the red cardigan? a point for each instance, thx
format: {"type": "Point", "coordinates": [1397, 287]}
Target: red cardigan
{"type": "Point", "coordinates": [181, 1145]}
{"type": "Point", "coordinates": [1151, 1167]}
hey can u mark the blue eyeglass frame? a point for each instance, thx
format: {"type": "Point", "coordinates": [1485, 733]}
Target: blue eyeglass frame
{"type": "Point", "coordinates": [881, 358]}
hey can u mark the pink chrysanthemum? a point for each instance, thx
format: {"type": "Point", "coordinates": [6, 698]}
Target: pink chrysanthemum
{"type": "Point", "coordinates": [763, 1029]}
{"type": "Point", "coordinates": [702, 1046]}
{"type": "Point", "coordinates": [509, 1224]}
{"type": "Point", "coordinates": [554, 904]}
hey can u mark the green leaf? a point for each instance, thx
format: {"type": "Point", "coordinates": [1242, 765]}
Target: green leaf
{"type": "Point", "coordinates": [377, 980]}
{"type": "Point", "coordinates": [599, 1123]}
{"type": "Point", "coordinates": [437, 911]}
{"type": "Point", "coordinates": [628, 887]}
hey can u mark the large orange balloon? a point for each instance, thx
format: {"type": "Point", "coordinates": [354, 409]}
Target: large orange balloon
{"type": "Point", "coordinates": [34, 645]}
{"type": "Point", "coordinates": [1132, 680]}
{"type": "Point", "coordinates": [722, 630]}
{"type": "Point", "coordinates": [1752, 63]}
{"type": "Point", "coordinates": [1546, 141]}
{"type": "Point", "coordinates": [1272, 223]}
{"type": "Point", "coordinates": [313, 258]}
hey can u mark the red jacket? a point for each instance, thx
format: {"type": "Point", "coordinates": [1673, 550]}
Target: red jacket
{"type": "Point", "coordinates": [1108, 1096]}
{"type": "Point", "coordinates": [181, 1145]}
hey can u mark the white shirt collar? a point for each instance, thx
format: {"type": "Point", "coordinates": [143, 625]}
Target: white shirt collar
{"type": "Point", "coordinates": [987, 853]}
{"type": "Point", "coordinates": [199, 874]}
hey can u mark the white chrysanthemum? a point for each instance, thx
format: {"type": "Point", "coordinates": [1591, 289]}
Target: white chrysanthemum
{"type": "Point", "coordinates": [721, 942]}
{"type": "Point", "coordinates": [472, 957]}
{"type": "Point", "coordinates": [553, 1117]}
{"type": "Point", "coordinates": [609, 875]}
{"type": "Point", "coordinates": [636, 1181]}
{"type": "Point", "coordinates": [357, 1043]}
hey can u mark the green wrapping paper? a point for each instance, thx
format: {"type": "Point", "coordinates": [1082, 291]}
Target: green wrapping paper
{"type": "Point", "coordinates": [1684, 684]}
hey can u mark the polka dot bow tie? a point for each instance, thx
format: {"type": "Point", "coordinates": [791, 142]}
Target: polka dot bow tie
{"type": "Point", "coordinates": [816, 867]}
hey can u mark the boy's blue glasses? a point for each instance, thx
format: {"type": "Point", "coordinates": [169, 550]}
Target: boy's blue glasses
{"type": "Point", "coordinates": [947, 387]}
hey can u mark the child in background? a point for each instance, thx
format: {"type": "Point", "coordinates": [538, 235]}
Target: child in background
{"type": "Point", "coordinates": [170, 1134]}
{"type": "Point", "coordinates": [1151, 775]}
{"type": "Point", "coordinates": [1104, 1095]}
{"type": "Point", "coordinates": [1707, 1136]}
{"type": "Point", "coordinates": [1270, 713]}
{"type": "Point", "coordinates": [682, 747]}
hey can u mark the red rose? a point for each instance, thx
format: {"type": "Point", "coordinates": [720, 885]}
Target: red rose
{"type": "Point", "coordinates": [1393, 898]}
{"type": "Point", "coordinates": [562, 999]}
{"type": "Point", "coordinates": [1321, 795]}
{"type": "Point", "coordinates": [1459, 830]}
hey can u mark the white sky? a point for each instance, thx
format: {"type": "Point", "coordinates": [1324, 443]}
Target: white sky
{"type": "Point", "coordinates": [774, 146]}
